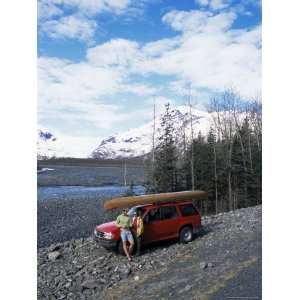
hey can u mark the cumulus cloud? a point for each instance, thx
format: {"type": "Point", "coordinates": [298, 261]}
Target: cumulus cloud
{"type": "Point", "coordinates": [67, 82]}
{"type": "Point", "coordinates": [197, 21]}
{"type": "Point", "coordinates": [138, 89]}
{"type": "Point", "coordinates": [202, 2]}
{"type": "Point", "coordinates": [88, 7]}
{"type": "Point", "coordinates": [81, 92]}
{"type": "Point", "coordinates": [47, 9]}
{"type": "Point", "coordinates": [79, 22]}
{"type": "Point", "coordinates": [74, 27]}
{"type": "Point", "coordinates": [214, 4]}
{"type": "Point", "coordinates": [154, 49]}
{"type": "Point", "coordinates": [118, 52]}
{"type": "Point", "coordinates": [186, 21]}
{"type": "Point", "coordinates": [210, 56]}
{"type": "Point", "coordinates": [242, 6]}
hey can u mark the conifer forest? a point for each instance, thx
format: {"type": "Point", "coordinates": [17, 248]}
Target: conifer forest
{"type": "Point", "coordinates": [226, 162]}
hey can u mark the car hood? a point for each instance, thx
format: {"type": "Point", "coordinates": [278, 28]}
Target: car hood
{"type": "Point", "coordinates": [108, 227]}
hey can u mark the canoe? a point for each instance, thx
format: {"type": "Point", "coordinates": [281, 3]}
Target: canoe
{"type": "Point", "coordinates": [124, 202]}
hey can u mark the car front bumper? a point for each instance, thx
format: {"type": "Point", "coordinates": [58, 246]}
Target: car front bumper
{"type": "Point", "coordinates": [107, 244]}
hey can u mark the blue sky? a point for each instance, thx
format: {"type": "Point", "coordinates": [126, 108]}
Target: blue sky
{"type": "Point", "coordinates": [102, 62]}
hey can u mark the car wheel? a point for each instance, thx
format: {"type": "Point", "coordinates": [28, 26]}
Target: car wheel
{"type": "Point", "coordinates": [186, 234]}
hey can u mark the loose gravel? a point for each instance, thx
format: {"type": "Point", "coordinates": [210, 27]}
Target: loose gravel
{"type": "Point", "coordinates": [214, 266]}
{"type": "Point", "coordinates": [64, 219]}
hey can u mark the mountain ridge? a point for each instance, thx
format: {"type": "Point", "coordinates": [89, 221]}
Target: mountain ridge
{"type": "Point", "coordinates": [138, 141]}
{"type": "Point", "coordinates": [135, 142]}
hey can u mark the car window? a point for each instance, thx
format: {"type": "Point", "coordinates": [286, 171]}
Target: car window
{"type": "Point", "coordinates": [168, 212]}
{"type": "Point", "coordinates": [188, 210]}
{"type": "Point", "coordinates": [154, 215]}
{"type": "Point", "coordinates": [133, 211]}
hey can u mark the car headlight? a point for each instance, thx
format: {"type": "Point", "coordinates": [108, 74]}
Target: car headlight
{"type": "Point", "coordinates": [108, 235]}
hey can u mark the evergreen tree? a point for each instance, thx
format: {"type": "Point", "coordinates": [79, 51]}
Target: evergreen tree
{"type": "Point", "coordinates": [227, 163]}
{"type": "Point", "coordinates": [166, 156]}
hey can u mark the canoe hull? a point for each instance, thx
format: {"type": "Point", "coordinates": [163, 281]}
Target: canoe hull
{"type": "Point", "coordinates": [124, 202]}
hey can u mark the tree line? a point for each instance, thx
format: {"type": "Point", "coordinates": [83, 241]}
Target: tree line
{"type": "Point", "coordinates": [226, 162]}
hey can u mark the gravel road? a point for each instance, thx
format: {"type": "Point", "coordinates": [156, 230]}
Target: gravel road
{"type": "Point", "coordinates": [224, 262]}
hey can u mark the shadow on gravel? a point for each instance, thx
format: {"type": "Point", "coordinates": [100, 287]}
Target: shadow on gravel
{"type": "Point", "coordinates": [168, 243]}
{"type": "Point", "coordinates": [205, 229]}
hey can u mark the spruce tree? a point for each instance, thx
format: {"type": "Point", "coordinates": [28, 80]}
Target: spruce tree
{"type": "Point", "coordinates": [165, 167]}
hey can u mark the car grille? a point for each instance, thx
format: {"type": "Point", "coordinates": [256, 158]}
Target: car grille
{"type": "Point", "coordinates": [99, 234]}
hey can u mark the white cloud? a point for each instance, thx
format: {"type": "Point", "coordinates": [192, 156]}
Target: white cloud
{"type": "Point", "coordinates": [202, 2]}
{"type": "Point", "coordinates": [138, 89]}
{"type": "Point", "coordinates": [211, 55]}
{"type": "Point", "coordinates": [118, 52]}
{"type": "Point", "coordinates": [88, 7]}
{"type": "Point", "coordinates": [66, 82]}
{"type": "Point", "coordinates": [74, 27]}
{"type": "Point", "coordinates": [219, 4]}
{"type": "Point", "coordinates": [67, 145]}
{"type": "Point", "coordinates": [213, 58]}
{"type": "Point", "coordinates": [97, 6]}
{"type": "Point", "coordinates": [78, 92]}
{"type": "Point", "coordinates": [154, 49]}
{"type": "Point", "coordinates": [241, 7]}
{"type": "Point", "coordinates": [198, 21]}
{"type": "Point", "coordinates": [79, 23]}
{"type": "Point", "coordinates": [47, 9]}
{"type": "Point", "coordinates": [186, 21]}
{"type": "Point", "coordinates": [214, 4]}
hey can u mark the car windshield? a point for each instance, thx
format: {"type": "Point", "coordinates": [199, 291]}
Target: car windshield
{"type": "Point", "coordinates": [132, 212]}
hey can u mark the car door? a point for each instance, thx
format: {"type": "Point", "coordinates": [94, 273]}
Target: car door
{"type": "Point", "coordinates": [169, 225]}
{"type": "Point", "coordinates": [190, 215]}
{"type": "Point", "coordinates": [152, 226]}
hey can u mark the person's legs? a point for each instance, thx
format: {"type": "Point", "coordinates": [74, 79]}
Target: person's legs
{"type": "Point", "coordinates": [126, 250]}
{"type": "Point", "coordinates": [124, 241]}
{"type": "Point", "coordinates": [138, 245]}
{"type": "Point", "coordinates": [131, 247]}
{"type": "Point", "coordinates": [131, 242]}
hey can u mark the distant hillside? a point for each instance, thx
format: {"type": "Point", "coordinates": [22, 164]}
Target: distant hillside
{"type": "Point", "coordinates": [136, 161]}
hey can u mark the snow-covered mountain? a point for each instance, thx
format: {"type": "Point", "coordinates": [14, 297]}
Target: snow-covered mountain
{"type": "Point", "coordinates": [132, 143]}
{"type": "Point", "coordinates": [138, 141]}
{"type": "Point", "coordinates": [49, 145]}
{"type": "Point", "coordinates": [46, 144]}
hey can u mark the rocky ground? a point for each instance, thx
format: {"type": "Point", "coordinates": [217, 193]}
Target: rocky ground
{"type": "Point", "coordinates": [224, 262]}
{"type": "Point", "coordinates": [60, 220]}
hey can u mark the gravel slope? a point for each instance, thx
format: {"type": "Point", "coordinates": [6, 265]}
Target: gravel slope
{"type": "Point", "coordinates": [64, 219]}
{"type": "Point", "coordinates": [224, 261]}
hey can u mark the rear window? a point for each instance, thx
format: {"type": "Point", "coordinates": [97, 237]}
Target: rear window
{"type": "Point", "coordinates": [168, 212]}
{"type": "Point", "coordinates": [188, 210]}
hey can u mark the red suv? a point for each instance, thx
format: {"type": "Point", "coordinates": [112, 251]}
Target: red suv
{"type": "Point", "coordinates": [161, 222]}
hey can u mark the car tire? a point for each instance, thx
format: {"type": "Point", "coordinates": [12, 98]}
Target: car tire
{"type": "Point", "coordinates": [186, 235]}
